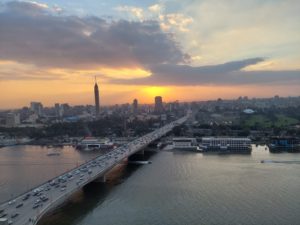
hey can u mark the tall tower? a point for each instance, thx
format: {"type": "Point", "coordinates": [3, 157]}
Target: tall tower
{"type": "Point", "coordinates": [158, 107]}
{"type": "Point", "coordinates": [97, 100]}
{"type": "Point", "coordinates": [135, 106]}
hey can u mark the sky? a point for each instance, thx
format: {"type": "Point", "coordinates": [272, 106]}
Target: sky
{"type": "Point", "coordinates": [50, 51]}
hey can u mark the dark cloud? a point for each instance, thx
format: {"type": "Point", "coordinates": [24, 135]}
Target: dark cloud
{"type": "Point", "coordinates": [228, 73]}
{"type": "Point", "coordinates": [32, 33]}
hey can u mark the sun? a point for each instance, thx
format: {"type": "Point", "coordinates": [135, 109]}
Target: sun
{"type": "Point", "coordinates": [155, 91]}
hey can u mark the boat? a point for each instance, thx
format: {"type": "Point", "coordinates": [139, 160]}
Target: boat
{"type": "Point", "coordinates": [140, 162]}
{"type": "Point", "coordinates": [284, 144]}
{"type": "Point", "coordinates": [226, 145]}
{"type": "Point", "coordinates": [6, 141]}
{"type": "Point", "coordinates": [53, 153]}
{"type": "Point", "coordinates": [92, 143]}
{"type": "Point", "coordinates": [267, 161]}
{"type": "Point", "coordinates": [183, 143]}
{"type": "Point", "coordinates": [280, 161]}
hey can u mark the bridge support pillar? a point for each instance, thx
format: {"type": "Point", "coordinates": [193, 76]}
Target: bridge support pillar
{"type": "Point", "coordinates": [137, 156]}
{"type": "Point", "coordinates": [100, 179]}
{"type": "Point", "coordinates": [141, 152]}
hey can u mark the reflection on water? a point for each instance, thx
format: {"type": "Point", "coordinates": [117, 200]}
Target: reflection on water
{"type": "Point", "coordinates": [24, 167]}
{"type": "Point", "coordinates": [190, 188]}
{"type": "Point", "coordinates": [90, 197]}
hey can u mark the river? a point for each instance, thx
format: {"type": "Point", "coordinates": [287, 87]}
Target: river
{"type": "Point", "coordinates": [177, 188]}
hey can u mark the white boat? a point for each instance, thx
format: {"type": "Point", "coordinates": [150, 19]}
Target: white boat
{"type": "Point", "coordinates": [5, 141]}
{"type": "Point", "coordinates": [140, 162]}
{"type": "Point", "coordinates": [53, 153]}
{"type": "Point", "coordinates": [184, 143]}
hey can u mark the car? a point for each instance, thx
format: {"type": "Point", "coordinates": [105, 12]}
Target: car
{"type": "Point", "coordinates": [3, 215]}
{"type": "Point", "coordinates": [14, 215]}
{"type": "Point", "coordinates": [62, 189]}
{"type": "Point", "coordinates": [12, 202]}
{"type": "Point", "coordinates": [35, 206]}
{"type": "Point", "coordinates": [45, 199]}
{"type": "Point", "coordinates": [19, 205]}
{"type": "Point", "coordinates": [26, 197]}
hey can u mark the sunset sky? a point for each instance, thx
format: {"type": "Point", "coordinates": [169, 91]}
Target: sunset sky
{"type": "Point", "coordinates": [187, 50]}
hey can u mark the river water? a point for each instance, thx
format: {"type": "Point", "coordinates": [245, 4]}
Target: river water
{"type": "Point", "coordinates": [177, 188]}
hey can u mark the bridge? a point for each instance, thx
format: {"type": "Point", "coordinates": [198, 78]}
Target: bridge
{"type": "Point", "coordinates": [28, 208]}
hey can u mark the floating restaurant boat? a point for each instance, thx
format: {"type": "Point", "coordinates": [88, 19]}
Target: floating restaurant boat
{"type": "Point", "coordinates": [184, 143]}
{"type": "Point", "coordinates": [284, 144]}
{"type": "Point", "coordinates": [92, 143]}
{"type": "Point", "coordinates": [223, 145]}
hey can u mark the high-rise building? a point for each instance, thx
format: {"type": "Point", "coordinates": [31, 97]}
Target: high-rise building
{"type": "Point", "coordinates": [12, 119]}
{"type": "Point", "coordinates": [37, 108]}
{"type": "Point", "coordinates": [173, 106]}
{"type": "Point", "coordinates": [59, 110]}
{"type": "Point", "coordinates": [158, 108]}
{"type": "Point", "coordinates": [97, 100]}
{"type": "Point", "coordinates": [135, 106]}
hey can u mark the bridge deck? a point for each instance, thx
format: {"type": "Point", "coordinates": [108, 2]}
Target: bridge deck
{"type": "Point", "coordinates": [28, 210]}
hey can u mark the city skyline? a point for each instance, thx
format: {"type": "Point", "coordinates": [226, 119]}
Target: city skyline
{"type": "Point", "coordinates": [149, 112]}
{"type": "Point", "coordinates": [202, 51]}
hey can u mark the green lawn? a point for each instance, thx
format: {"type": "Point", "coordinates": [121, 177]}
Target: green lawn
{"type": "Point", "coordinates": [265, 122]}
{"type": "Point", "coordinates": [283, 121]}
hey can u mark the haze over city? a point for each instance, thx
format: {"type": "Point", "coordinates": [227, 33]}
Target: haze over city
{"type": "Point", "coordinates": [50, 51]}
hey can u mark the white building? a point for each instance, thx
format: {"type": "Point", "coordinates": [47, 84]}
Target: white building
{"type": "Point", "coordinates": [12, 119]}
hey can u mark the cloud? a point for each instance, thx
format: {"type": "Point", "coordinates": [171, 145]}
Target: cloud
{"type": "Point", "coordinates": [224, 30]}
{"type": "Point", "coordinates": [135, 11]}
{"type": "Point", "coordinates": [176, 21]}
{"type": "Point", "coordinates": [30, 7]}
{"type": "Point", "coordinates": [156, 8]}
{"type": "Point", "coordinates": [230, 73]}
{"type": "Point", "coordinates": [31, 34]}
{"type": "Point", "coordinates": [41, 38]}
{"type": "Point", "coordinates": [10, 70]}
{"type": "Point", "coordinates": [169, 22]}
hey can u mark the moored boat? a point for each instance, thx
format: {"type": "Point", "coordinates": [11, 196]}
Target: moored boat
{"type": "Point", "coordinates": [92, 143]}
